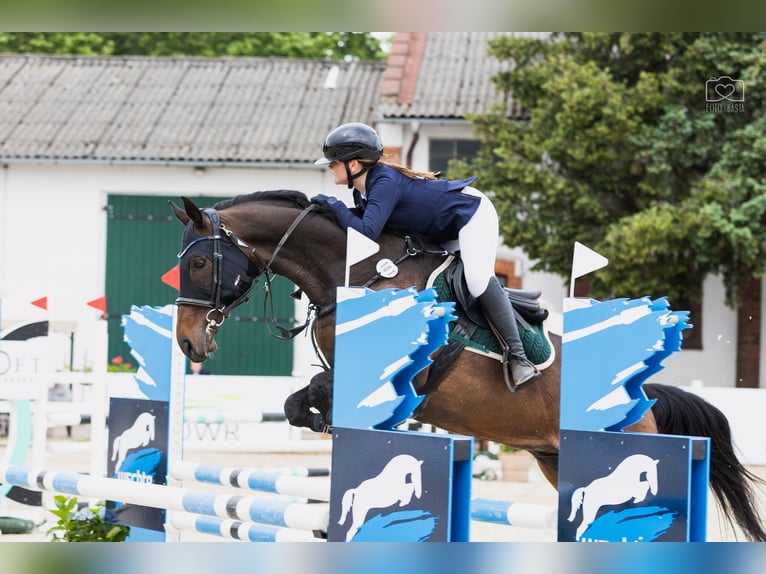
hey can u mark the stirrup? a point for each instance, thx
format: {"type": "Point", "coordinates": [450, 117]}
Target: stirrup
{"type": "Point", "coordinates": [510, 380]}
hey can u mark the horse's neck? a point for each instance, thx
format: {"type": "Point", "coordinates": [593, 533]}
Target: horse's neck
{"type": "Point", "coordinates": [314, 255]}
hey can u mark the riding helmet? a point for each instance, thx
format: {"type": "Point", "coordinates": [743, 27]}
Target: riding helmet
{"type": "Point", "coordinates": [351, 141]}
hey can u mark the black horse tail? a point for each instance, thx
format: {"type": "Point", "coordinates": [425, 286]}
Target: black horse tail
{"type": "Point", "coordinates": [678, 412]}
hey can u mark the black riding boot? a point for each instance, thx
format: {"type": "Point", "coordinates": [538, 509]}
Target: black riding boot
{"type": "Point", "coordinates": [498, 310]}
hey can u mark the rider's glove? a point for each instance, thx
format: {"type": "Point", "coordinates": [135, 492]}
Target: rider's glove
{"type": "Point", "coordinates": [323, 199]}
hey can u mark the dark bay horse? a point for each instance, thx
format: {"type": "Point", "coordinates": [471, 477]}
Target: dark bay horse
{"type": "Point", "coordinates": [280, 232]}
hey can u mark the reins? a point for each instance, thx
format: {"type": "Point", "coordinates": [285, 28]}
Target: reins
{"type": "Point", "coordinates": [284, 334]}
{"type": "Point", "coordinates": [216, 301]}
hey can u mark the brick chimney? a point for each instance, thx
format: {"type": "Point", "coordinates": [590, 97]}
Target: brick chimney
{"type": "Point", "coordinates": [401, 75]}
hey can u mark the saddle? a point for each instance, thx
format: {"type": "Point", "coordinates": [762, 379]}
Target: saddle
{"type": "Point", "coordinates": [471, 328]}
{"type": "Point", "coordinates": [525, 303]}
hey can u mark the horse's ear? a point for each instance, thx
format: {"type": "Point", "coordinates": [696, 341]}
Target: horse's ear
{"type": "Point", "coordinates": [179, 213]}
{"type": "Point", "coordinates": [191, 213]}
{"type": "Point", "coordinates": [194, 212]}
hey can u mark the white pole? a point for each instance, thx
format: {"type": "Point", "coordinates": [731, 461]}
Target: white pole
{"type": "Point", "coordinates": [249, 508]}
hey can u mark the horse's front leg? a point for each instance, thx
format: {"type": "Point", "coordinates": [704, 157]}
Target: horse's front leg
{"type": "Point", "coordinates": [299, 414]}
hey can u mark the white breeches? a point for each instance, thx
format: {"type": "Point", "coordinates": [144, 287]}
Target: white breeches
{"type": "Point", "coordinates": [478, 242]}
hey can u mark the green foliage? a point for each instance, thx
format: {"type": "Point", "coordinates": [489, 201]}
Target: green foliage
{"type": "Point", "coordinates": [621, 151]}
{"type": "Point", "coordinates": [85, 525]}
{"type": "Point", "coordinates": [314, 45]}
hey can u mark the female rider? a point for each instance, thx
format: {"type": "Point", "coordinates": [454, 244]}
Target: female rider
{"type": "Point", "coordinates": [447, 212]}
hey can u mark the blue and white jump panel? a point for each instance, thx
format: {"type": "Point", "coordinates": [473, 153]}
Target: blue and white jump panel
{"type": "Point", "coordinates": [619, 486]}
{"type": "Point", "coordinates": [146, 422]}
{"type": "Point", "coordinates": [407, 487]}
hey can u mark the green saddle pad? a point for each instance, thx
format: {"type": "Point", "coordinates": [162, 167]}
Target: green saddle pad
{"type": "Point", "coordinates": [535, 342]}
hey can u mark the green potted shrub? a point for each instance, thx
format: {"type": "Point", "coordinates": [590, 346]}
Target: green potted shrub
{"type": "Point", "coordinates": [87, 524]}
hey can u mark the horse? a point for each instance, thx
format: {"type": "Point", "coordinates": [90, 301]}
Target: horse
{"type": "Point", "coordinates": [281, 233]}
{"type": "Point", "coordinates": [633, 479]}
{"type": "Point", "coordinates": [398, 483]}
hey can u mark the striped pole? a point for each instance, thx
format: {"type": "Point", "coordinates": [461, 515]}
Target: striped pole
{"type": "Point", "coordinates": [312, 484]}
{"type": "Point", "coordinates": [514, 513]}
{"type": "Point", "coordinates": [248, 508]}
{"type": "Point", "coordinates": [237, 529]}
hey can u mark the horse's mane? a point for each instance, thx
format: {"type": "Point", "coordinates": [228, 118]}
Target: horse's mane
{"type": "Point", "coordinates": [300, 200]}
{"type": "Point", "coordinates": [290, 196]}
{"type": "Point", "coordinates": [296, 197]}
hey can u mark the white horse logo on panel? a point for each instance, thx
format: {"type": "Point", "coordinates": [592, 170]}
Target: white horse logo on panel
{"type": "Point", "coordinates": [634, 478]}
{"type": "Point", "coordinates": [398, 482]}
{"type": "Point", "coordinates": [140, 434]}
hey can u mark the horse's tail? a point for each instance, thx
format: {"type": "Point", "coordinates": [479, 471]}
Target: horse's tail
{"type": "Point", "coordinates": [348, 500]}
{"type": "Point", "coordinates": [577, 498]}
{"type": "Point", "coordinates": [678, 412]}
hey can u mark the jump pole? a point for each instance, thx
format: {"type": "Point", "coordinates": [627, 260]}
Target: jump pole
{"type": "Point", "coordinates": [300, 482]}
{"type": "Point", "coordinates": [237, 529]}
{"type": "Point", "coordinates": [248, 508]}
{"type": "Point", "coordinates": [518, 514]}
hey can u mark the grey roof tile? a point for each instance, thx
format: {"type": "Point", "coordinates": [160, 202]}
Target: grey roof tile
{"type": "Point", "coordinates": [454, 78]}
{"type": "Point", "coordinates": [224, 110]}
{"type": "Point", "coordinates": [248, 110]}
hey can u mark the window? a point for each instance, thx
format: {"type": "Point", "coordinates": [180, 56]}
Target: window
{"type": "Point", "coordinates": [442, 151]}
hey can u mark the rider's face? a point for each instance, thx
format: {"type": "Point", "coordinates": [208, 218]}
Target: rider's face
{"type": "Point", "coordinates": [339, 170]}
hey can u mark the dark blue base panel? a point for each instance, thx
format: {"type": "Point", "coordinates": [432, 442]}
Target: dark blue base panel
{"type": "Point", "coordinates": [399, 486]}
{"type": "Point", "coordinates": [630, 487]}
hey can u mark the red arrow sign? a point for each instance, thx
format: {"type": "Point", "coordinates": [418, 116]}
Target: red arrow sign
{"type": "Point", "coordinates": [42, 302]}
{"type": "Point", "coordinates": [99, 304]}
{"type": "Point", "coordinates": [172, 277]}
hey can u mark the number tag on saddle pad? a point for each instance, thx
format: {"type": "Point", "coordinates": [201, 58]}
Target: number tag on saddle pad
{"type": "Point", "coordinates": [387, 268]}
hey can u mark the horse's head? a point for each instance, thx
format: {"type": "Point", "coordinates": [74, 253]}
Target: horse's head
{"type": "Point", "coordinates": [216, 276]}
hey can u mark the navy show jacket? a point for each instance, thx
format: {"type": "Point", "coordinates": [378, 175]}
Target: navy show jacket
{"type": "Point", "coordinates": [434, 208]}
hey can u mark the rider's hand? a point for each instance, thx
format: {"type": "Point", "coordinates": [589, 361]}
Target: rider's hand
{"type": "Point", "coordinates": [323, 199]}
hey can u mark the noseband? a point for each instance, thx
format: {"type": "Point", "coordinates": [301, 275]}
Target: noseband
{"type": "Point", "coordinates": [234, 272]}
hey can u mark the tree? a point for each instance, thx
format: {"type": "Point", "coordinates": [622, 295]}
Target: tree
{"type": "Point", "coordinates": [622, 150]}
{"type": "Point", "coordinates": [313, 45]}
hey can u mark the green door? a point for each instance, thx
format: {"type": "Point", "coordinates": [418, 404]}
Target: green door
{"type": "Point", "coordinates": [143, 239]}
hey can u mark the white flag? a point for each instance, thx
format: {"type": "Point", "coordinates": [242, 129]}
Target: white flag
{"type": "Point", "coordinates": [358, 248]}
{"type": "Point", "coordinates": [586, 260]}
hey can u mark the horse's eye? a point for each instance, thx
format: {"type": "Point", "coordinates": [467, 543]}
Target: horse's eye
{"type": "Point", "coordinates": [198, 262]}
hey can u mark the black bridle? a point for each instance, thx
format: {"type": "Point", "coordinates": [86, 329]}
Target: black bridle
{"type": "Point", "coordinates": [235, 273]}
